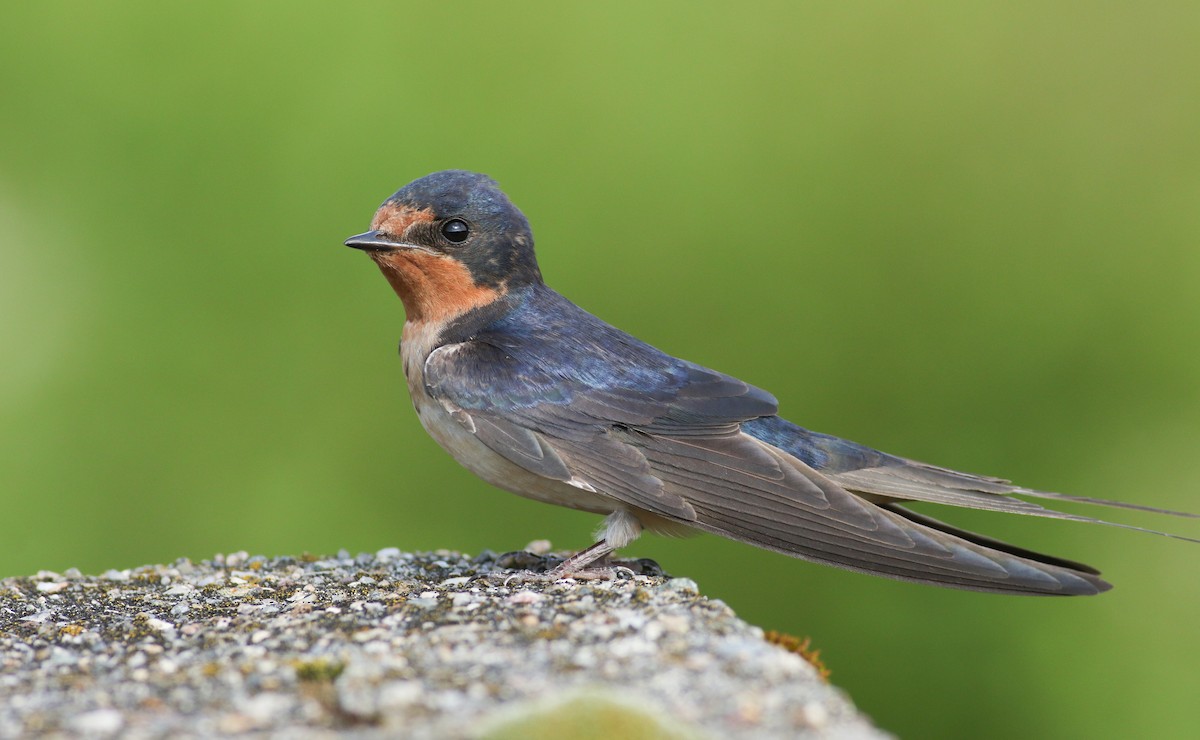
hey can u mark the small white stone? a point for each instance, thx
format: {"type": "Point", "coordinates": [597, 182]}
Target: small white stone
{"type": "Point", "coordinates": [676, 623]}
{"type": "Point", "coordinates": [49, 587]}
{"type": "Point", "coordinates": [629, 646]}
{"type": "Point", "coordinates": [388, 554]}
{"type": "Point", "coordinates": [584, 657]}
{"type": "Point", "coordinates": [160, 624]}
{"type": "Point", "coordinates": [815, 715]}
{"type": "Point", "coordinates": [377, 647]}
{"type": "Point", "coordinates": [684, 585]}
{"type": "Point", "coordinates": [400, 693]}
{"type": "Point", "coordinates": [97, 722]}
{"type": "Point", "coordinates": [462, 599]}
{"type": "Point", "coordinates": [267, 707]}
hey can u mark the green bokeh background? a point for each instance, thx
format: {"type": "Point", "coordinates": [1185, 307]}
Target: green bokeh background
{"type": "Point", "coordinates": [963, 232]}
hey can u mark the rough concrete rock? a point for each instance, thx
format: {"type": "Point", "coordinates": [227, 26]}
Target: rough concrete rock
{"type": "Point", "coordinates": [425, 645]}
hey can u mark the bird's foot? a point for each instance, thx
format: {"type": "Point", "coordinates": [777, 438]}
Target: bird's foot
{"type": "Point", "coordinates": [591, 564]}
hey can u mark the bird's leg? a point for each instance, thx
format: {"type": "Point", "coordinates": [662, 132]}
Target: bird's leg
{"type": "Point", "coordinates": [619, 529]}
{"type": "Point", "coordinates": [576, 566]}
{"type": "Point", "coordinates": [592, 563]}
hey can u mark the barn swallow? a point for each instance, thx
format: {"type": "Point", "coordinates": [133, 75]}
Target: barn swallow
{"type": "Point", "coordinates": [538, 397]}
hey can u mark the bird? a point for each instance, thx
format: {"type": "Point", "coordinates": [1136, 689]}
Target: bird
{"type": "Point", "coordinates": [537, 396]}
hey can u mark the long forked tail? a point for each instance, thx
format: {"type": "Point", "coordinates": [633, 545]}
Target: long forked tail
{"type": "Point", "coordinates": [1112, 504]}
{"type": "Point", "coordinates": [907, 480]}
{"type": "Point", "coordinates": [883, 478]}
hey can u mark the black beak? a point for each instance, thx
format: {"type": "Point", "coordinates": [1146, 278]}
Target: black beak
{"type": "Point", "coordinates": [373, 241]}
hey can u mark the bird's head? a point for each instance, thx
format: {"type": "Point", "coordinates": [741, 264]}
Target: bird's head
{"type": "Point", "coordinates": [450, 242]}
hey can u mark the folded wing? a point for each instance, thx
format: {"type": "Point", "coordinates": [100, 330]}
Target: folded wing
{"type": "Point", "coordinates": [686, 443]}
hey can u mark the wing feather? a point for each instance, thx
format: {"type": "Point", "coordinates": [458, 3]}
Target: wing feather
{"type": "Point", "coordinates": [679, 451]}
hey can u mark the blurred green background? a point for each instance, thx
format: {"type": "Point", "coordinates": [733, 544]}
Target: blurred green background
{"type": "Point", "coordinates": [962, 232]}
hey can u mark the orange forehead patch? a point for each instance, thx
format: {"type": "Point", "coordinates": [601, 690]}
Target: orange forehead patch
{"type": "Point", "coordinates": [434, 288]}
{"type": "Point", "coordinates": [394, 219]}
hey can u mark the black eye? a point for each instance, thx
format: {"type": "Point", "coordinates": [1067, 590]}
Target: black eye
{"type": "Point", "coordinates": [456, 231]}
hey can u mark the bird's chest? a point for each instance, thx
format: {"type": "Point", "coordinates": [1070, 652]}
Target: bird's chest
{"type": "Point", "coordinates": [416, 344]}
{"type": "Point", "coordinates": [414, 350]}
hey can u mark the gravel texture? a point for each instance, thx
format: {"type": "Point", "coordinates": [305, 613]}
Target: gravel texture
{"type": "Point", "coordinates": [424, 645]}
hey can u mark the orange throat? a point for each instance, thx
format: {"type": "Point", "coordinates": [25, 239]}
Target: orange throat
{"type": "Point", "coordinates": [434, 289]}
